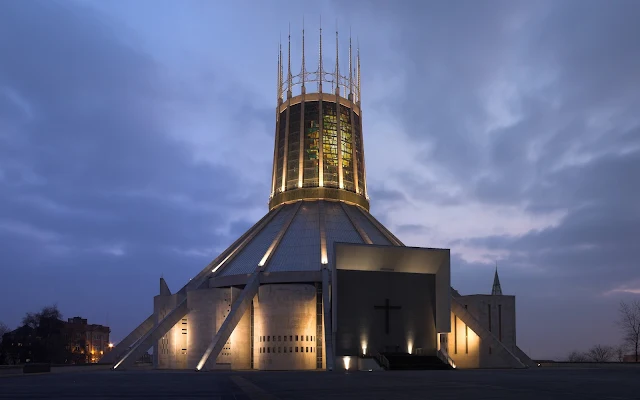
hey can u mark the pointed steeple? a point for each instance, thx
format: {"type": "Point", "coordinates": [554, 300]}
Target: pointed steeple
{"type": "Point", "coordinates": [496, 290]}
{"type": "Point", "coordinates": [164, 288]}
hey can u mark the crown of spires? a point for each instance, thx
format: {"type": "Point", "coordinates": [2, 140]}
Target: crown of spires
{"type": "Point", "coordinates": [347, 85]}
{"type": "Point", "coordinates": [497, 289]}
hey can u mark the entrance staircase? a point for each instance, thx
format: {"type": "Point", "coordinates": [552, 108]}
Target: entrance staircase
{"type": "Point", "coordinates": [406, 361]}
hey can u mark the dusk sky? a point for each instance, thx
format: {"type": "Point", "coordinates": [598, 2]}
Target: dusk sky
{"type": "Point", "coordinates": [136, 140]}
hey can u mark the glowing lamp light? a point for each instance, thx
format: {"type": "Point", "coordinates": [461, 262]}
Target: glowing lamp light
{"type": "Point", "coordinates": [347, 361]}
{"type": "Point", "coordinates": [364, 348]}
{"type": "Point", "coordinates": [111, 345]}
{"type": "Point", "coordinates": [410, 346]}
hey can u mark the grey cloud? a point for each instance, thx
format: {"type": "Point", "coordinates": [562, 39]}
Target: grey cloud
{"type": "Point", "coordinates": [85, 154]}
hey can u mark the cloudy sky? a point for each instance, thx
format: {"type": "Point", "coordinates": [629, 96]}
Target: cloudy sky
{"type": "Point", "coordinates": [136, 141]}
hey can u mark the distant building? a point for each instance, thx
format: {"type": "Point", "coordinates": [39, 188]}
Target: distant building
{"type": "Point", "coordinates": [87, 342]}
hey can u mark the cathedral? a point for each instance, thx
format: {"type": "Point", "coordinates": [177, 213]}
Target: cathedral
{"type": "Point", "coordinates": [319, 283]}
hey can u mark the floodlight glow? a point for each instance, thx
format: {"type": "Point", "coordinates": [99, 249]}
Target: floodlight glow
{"type": "Point", "coordinates": [347, 361]}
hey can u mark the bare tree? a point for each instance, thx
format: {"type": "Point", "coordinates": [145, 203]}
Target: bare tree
{"type": "Point", "coordinates": [629, 322]}
{"type": "Point", "coordinates": [600, 353]}
{"type": "Point", "coordinates": [576, 356]}
{"type": "Point", "coordinates": [620, 350]}
{"type": "Point", "coordinates": [3, 329]}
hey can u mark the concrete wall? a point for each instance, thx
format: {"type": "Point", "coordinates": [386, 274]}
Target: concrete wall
{"type": "Point", "coordinates": [208, 308]}
{"type": "Point", "coordinates": [362, 327]}
{"type": "Point", "coordinates": [240, 339]}
{"type": "Point", "coordinates": [470, 351]}
{"type": "Point", "coordinates": [285, 320]}
{"type": "Point", "coordinates": [464, 345]}
{"type": "Point", "coordinates": [203, 310]}
{"type": "Point", "coordinates": [165, 348]}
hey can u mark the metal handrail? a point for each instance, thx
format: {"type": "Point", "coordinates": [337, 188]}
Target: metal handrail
{"type": "Point", "coordinates": [382, 360]}
{"type": "Point", "coordinates": [445, 358]}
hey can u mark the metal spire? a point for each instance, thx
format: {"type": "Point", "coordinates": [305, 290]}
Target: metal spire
{"type": "Point", "coordinates": [337, 63]}
{"type": "Point", "coordinates": [358, 67]}
{"type": "Point", "coordinates": [496, 290]}
{"type": "Point", "coordinates": [289, 76]}
{"type": "Point", "coordinates": [304, 72]}
{"type": "Point", "coordinates": [350, 69]}
{"type": "Point", "coordinates": [279, 91]}
{"type": "Point", "coordinates": [320, 75]}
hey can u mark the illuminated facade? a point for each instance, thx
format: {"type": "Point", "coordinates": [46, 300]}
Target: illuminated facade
{"type": "Point", "coordinates": [318, 282]}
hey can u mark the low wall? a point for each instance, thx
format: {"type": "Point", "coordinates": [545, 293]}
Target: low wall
{"type": "Point", "coordinates": [603, 365]}
{"type": "Point", "coordinates": [10, 369]}
{"type": "Point", "coordinates": [55, 369]}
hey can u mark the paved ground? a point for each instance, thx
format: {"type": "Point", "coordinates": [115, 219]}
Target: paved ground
{"type": "Point", "coordinates": [539, 383]}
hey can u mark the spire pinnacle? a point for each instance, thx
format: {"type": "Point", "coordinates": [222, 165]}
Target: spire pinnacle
{"type": "Point", "coordinates": [280, 75]}
{"type": "Point", "coordinates": [279, 91]}
{"type": "Point", "coordinates": [350, 69]}
{"type": "Point", "coordinates": [320, 61]}
{"type": "Point", "coordinates": [359, 90]}
{"type": "Point", "coordinates": [496, 290]}
{"type": "Point", "coordinates": [337, 63]}
{"type": "Point", "coordinates": [304, 71]}
{"type": "Point", "coordinates": [289, 76]}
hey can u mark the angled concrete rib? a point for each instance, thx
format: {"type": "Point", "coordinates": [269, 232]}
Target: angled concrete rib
{"type": "Point", "coordinates": [145, 339]}
{"type": "Point", "coordinates": [524, 358]}
{"type": "Point", "coordinates": [240, 306]}
{"type": "Point", "coordinates": [363, 235]}
{"type": "Point", "coordinates": [238, 309]}
{"type": "Point", "coordinates": [131, 339]}
{"type": "Point", "coordinates": [153, 335]}
{"type": "Point", "coordinates": [501, 350]}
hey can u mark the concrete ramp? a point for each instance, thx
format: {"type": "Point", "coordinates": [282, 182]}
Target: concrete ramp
{"type": "Point", "coordinates": [120, 349]}
{"type": "Point", "coordinates": [140, 347]}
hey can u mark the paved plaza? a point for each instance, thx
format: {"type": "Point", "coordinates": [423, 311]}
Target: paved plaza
{"type": "Point", "coordinates": [540, 383]}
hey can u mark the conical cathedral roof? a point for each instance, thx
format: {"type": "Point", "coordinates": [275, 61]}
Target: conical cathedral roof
{"type": "Point", "coordinates": [300, 237]}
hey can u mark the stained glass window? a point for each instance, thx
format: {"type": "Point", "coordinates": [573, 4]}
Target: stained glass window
{"type": "Point", "coordinates": [293, 152]}
{"type": "Point", "coordinates": [312, 144]}
{"type": "Point", "coordinates": [330, 144]}
{"type": "Point", "coordinates": [346, 148]}
{"type": "Point", "coordinates": [357, 132]}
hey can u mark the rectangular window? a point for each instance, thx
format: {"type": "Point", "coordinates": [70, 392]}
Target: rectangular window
{"type": "Point", "coordinates": [268, 338]}
{"type": "Point", "coordinates": [489, 315]}
{"type": "Point", "coordinates": [466, 339]}
{"type": "Point", "coordinates": [291, 338]}
{"type": "Point", "coordinates": [296, 349]}
{"type": "Point", "coordinates": [290, 349]}
{"type": "Point", "coordinates": [455, 335]}
{"type": "Point", "coordinates": [279, 349]}
{"type": "Point", "coordinates": [279, 338]}
{"type": "Point", "coordinates": [285, 349]}
{"type": "Point", "coordinates": [285, 338]}
{"type": "Point", "coordinates": [296, 338]}
{"type": "Point", "coordinates": [268, 349]}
